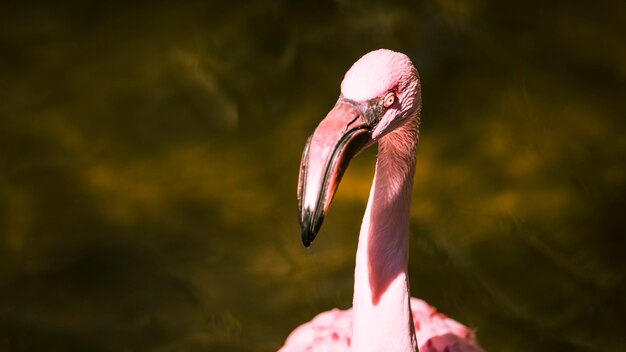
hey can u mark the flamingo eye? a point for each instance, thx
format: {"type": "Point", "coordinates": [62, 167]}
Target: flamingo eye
{"type": "Point", "coordinates": [390, 98]}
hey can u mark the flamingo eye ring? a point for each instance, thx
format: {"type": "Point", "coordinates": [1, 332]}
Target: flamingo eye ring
{"type": "Point", "coordinates": [390, 98]}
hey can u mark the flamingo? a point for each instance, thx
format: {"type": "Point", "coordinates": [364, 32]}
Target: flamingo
{"type": "Point", "coordinates": [380, 101]}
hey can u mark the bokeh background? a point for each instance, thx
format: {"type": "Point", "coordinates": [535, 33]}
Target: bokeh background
{"type": "Point", "coordinates": [149, 154]}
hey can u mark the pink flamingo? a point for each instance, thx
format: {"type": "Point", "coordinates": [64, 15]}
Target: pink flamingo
{"type": "Point", "coordinates": [380, 102]}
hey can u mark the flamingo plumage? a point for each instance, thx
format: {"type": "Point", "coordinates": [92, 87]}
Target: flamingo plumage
{"type": "Point", "coordinates": [380, 102]}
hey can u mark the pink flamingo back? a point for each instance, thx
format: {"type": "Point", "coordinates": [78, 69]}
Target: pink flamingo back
{"type": "Point", "coordinates": [331, 331]}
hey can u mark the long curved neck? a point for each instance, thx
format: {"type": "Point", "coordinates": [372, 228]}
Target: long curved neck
{"type": "Point", "coordinates": [382, 315]}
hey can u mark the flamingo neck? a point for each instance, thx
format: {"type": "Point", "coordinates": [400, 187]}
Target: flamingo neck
{"type": "Point", "coordinates": [382, 314]}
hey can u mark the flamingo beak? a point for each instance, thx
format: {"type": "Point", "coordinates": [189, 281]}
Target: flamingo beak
{"type": "Point", "coordinates": [341, 135]}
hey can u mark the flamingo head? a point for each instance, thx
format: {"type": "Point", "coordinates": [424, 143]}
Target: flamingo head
{"type": "Point", "coordinates": [379, 93]}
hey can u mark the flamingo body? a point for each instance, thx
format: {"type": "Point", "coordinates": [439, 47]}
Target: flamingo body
{"type": "Point", "coordinates": [331, 331]}
{"type": "Point", "coordinates": [380, 102]}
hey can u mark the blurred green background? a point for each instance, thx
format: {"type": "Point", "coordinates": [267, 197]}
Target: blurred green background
{"type": "Point", "coordinates": [149, 155]}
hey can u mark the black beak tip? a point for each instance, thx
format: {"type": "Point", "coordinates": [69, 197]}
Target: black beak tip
{"type": "Point", "coordinates": [308, 235]}
{"type": "Point", "coordinates": [310, 226]}
{"type": "Point", "coordinates": [306, 241]}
